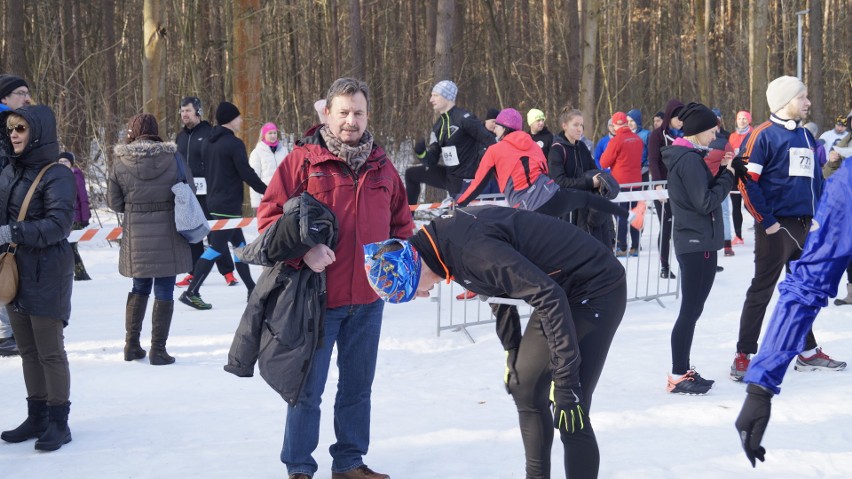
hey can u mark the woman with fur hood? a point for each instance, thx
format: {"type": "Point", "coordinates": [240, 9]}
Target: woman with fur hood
{"type": "Point", "coordinates": [152, 251]}
{"type": "Point", "coordinates": [266, 157]}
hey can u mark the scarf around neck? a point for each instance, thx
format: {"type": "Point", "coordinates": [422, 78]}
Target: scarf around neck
{"type": "Point", "coordinates": [354, 156]}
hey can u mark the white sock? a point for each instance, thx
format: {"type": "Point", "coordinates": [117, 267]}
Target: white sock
{"type": "Point", "coordinates": [808, 353]}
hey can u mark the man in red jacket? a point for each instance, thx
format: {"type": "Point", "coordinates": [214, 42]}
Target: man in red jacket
{"type": "Point", "coordinates": [341, 166]}
{"type": "Point", "coordinates": [623, 156]}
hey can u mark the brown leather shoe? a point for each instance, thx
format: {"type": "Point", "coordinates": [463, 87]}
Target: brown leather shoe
{"type": "Point", "coordinates": [360, 472]}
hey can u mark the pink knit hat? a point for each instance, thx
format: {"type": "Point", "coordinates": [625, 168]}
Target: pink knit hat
{"type": "Point", "coordinates": [747, 115]}
{"type": "Point", "coordinates": [266, 128]}
{"type": "Point", "coordinates": [510, 118]}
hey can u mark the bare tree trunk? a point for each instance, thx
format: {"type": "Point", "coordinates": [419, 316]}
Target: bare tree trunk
{"type": "Point", "coordinates": [758, 58]}
{"type": "Point", "coordinates": [590, 54]}
{"type": "Point", "coordinates": [814, 76]}
{"type": "Point", "coordinates": [15, 54]}
{"type": "Point", "coordinates": [575, 49]}
{"type": "Point", "coordinates": [357, 39]}
{"type": "Point", "coordinates": [444, 40]}
{"type": "Point", "coordinates": [247, 74]}
{"type": "Point", "coordinates": [111, 85]}
{"type": "Point", "coordinates": [155, 25]}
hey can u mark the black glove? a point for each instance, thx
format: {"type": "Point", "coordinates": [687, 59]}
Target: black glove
{"type": "Point", "coordinates": [568, 414]}
{"type": "Point", "coordinates": [420, 147]}
{"type": "Point", "coordinates": [511, 373]}
{"type": "Point", "coordinates": [740, 170]}
{"type": "Point", "coordinates": [752, 421]}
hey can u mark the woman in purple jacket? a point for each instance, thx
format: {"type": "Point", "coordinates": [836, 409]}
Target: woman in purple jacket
{"type": "Point", "coordinates": [81, 213]}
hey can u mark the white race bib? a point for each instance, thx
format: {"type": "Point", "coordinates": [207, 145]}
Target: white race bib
{"type": "Point", "coordinates": [450, 156]}
{"type": "Point", "coordinates": [200, 186]}
{"type": "Point", "coordinates": [801, 162]}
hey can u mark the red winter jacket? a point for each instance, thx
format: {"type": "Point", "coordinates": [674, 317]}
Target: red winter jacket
{"type": "Point", "coordinates": [372, 207]}
{"type": "Point", "coordinates": [623, 156]}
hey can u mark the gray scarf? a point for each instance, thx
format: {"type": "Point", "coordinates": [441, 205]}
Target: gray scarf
{"type": "Point", "coordinates": [354, 156]}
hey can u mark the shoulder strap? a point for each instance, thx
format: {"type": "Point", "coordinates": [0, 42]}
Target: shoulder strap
{"type": "Point", "coordinates": [26, 204]}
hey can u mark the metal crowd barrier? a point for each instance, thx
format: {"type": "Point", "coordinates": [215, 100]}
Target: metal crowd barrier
{"type": "Point", "coordinates": [643, 271]}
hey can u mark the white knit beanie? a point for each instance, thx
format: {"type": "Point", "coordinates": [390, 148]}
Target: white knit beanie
{"type": "Point", "coordinates": [781, 90]}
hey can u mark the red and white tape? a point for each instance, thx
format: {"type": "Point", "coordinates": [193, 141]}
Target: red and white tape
{"type": "Point", "coordinates": [92, 234]}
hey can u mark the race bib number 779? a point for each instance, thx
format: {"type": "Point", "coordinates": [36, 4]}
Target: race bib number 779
{"type": "Point", "coordinates": [801, 162]}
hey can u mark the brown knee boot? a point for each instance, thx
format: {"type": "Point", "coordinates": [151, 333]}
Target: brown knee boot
{"type": "Point", "coordinates": [133, 316]}
{"type": "Point", "coordinates": [161, 322]}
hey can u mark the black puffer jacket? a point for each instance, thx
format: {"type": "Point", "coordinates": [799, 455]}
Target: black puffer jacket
{"type": "Point", "coordinates": [44, 257]}
{"type": "Point", "coordinates": [282, 323]}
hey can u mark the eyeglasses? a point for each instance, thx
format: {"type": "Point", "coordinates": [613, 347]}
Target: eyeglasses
{"type": "Point", "coordinates": [20, 128]}
{"type": "Point", "coordinates": [21, 93]}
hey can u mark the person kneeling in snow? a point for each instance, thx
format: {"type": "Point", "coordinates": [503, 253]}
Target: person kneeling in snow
{"type": "Point", "coordinates": [576, 287]}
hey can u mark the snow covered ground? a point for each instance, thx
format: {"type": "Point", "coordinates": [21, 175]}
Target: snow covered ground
{"type": "Point", "coordinates": [439, 406]}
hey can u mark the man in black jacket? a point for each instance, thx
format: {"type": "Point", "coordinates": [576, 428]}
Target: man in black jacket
{"type": "Point", "coordinates": [574, 283]}
{"type": "Point", "coordinates": [458, 139]}
{"type": "Point", "coordinates": [225, 164]}
{"type": "Point", "coordinates": [189, 142]}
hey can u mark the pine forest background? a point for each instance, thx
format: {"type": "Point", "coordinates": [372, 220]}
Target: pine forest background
{"type": "Point", "coordinates": [97, 62]}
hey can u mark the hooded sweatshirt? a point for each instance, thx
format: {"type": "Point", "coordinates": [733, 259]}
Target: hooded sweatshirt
{"type": "Point", "coordinates": [660, 137]}
{"type": "Point", "coordinates": [226, 167]}
{"type": "Point", "coordinates": [520, 167]}
{"type": "Point", "coordinates": [641, 133]}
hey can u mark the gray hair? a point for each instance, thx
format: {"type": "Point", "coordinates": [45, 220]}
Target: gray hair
{"type": "Point", "coordinates": [347, 87]}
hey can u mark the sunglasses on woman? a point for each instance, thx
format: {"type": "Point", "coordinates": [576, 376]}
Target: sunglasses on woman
{"type": "Point", "coordinates": [20, 128]}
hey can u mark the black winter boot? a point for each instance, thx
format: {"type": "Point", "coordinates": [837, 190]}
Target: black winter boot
{"type": "Point", "coordinates": [133, 317]}
{"type": "Point", "coordinates": [33, 426]}
{"type": "Point", "coordinates": [58, 433]}
{"type": "Point", "coordinates": [161, 323]}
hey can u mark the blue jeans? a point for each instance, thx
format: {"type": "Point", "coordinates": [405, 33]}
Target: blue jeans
{"type": "Point", "coordinates": [164, 288]}
{"type": "Point", "coordinates": [356, 331]}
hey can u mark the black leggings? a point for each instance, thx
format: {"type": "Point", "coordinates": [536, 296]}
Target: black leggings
{"type": "Point", "coordinates": [595, 323]}
{"type": "Point", "coordinates": [697, 270]}
{"type": "Point", "coordinates": [219, 244]}
{"type": "Point", "coordinates": [438, 176]}
{"type": "Point", "coordinates": [223, 263]}
{"type": "Point", "coordinates": [737, 213]}
{"type": "Point", "coordinates": [664, 214]}
{"type": "Point", "coordinates": [567, 200]}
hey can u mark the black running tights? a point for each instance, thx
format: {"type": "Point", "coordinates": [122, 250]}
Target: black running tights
{"type": "Point", "coordinates": [697, 272]}
{"type": "Point", "coordinates": [595, 323]}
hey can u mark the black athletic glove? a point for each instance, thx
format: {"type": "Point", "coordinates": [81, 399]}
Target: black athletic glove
{"type": "Point", "coordinates": [568, 414]}
{"type": "Point", "coordinates": [511, 373]}
{"type": "Point", "coordinates": [752, 421]}
{"type": "Point", "coordinates": [740, 170]}
{"type": "Point", "coordinates": [420, 148]}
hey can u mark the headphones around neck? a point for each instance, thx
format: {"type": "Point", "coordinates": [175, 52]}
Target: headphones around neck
{"type": "Point", "coordinates": [787, 124]}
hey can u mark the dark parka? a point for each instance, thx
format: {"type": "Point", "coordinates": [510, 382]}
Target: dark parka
{"type": "Point", "coordinates": [44, 257]}
{"type": "Point", "coordinates": [696, 197]}
{"type": "Point", "coordinates": [140, 186]}
{"type": "Point", "coordinates": [548, 271]}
